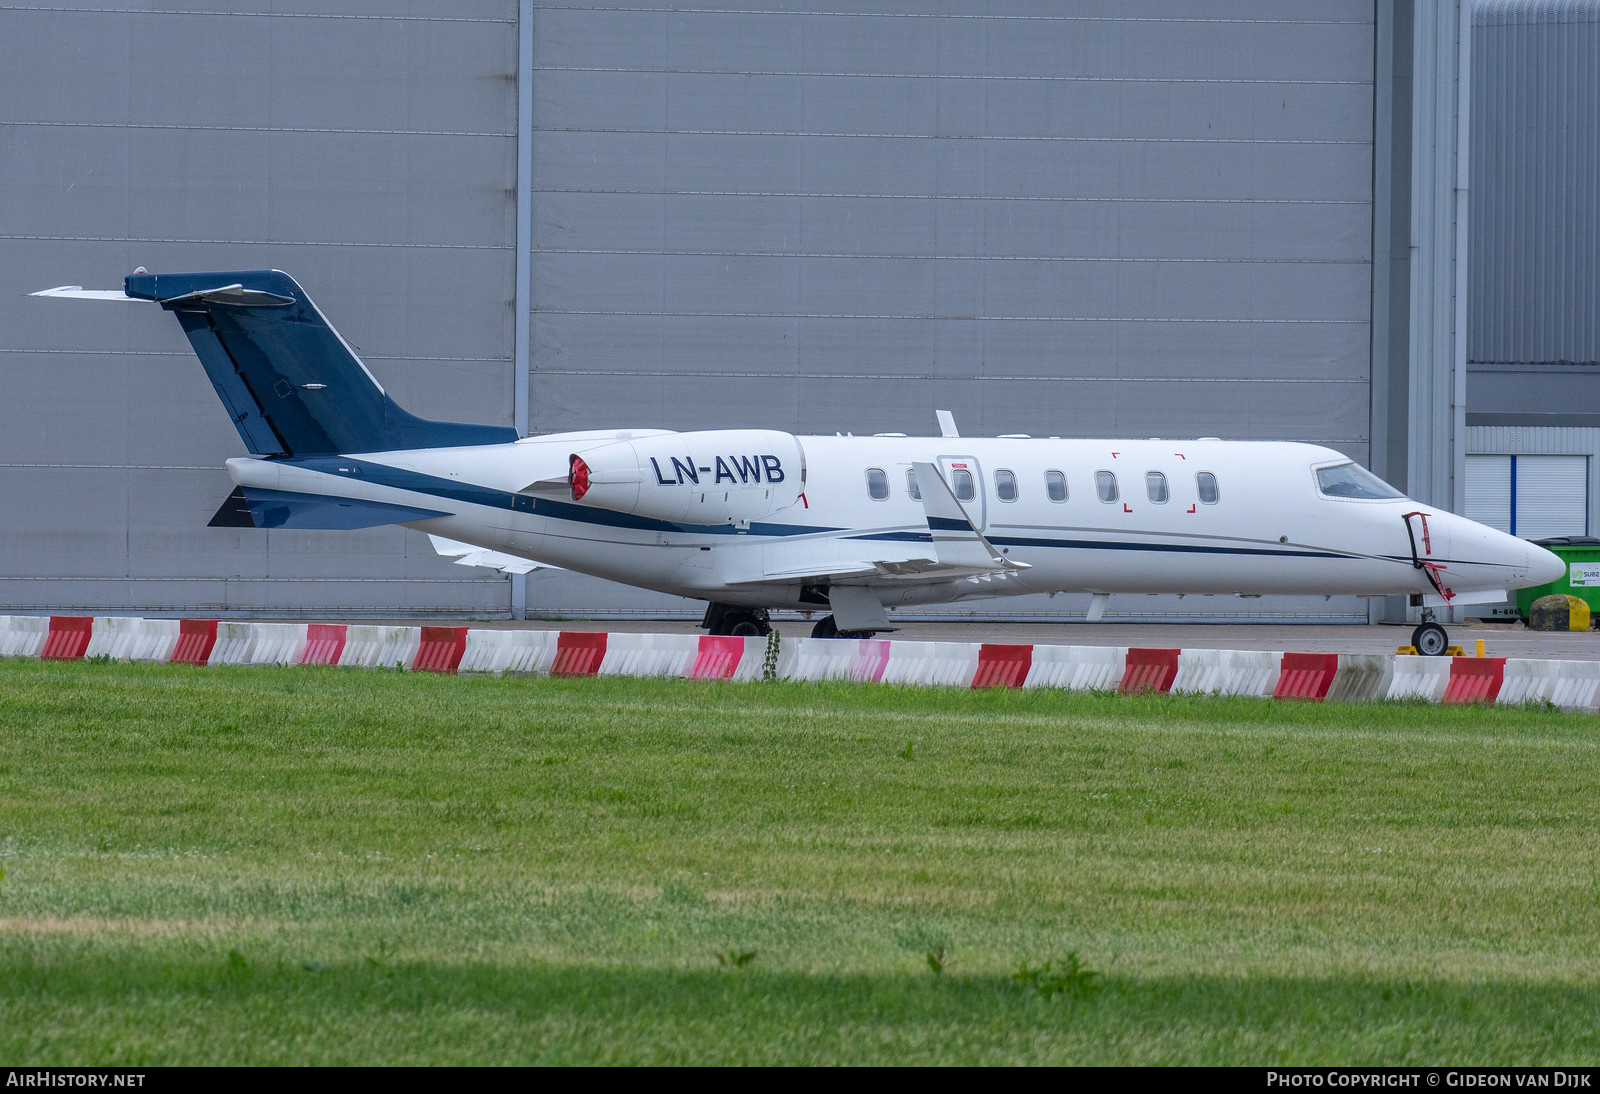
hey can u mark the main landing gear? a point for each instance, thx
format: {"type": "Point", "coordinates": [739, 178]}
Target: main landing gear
{"type": "Point", "coordinates": [1430, 639]}
{"type": "Point", "coordinates": [827, 628]}
{"type": "Point", "coordinates": [730, 619]}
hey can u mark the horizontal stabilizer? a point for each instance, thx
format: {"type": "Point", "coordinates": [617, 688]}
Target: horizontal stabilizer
{"type": "Point", "coordinates": [253, 507]}
{"type": "Point", "coordinates": [466, 554]}
{"type": "Point", "coordinates": [236, 294]}
{"type": "Point", "coordinates": [234, 512]}
{"type": "Point", "coordinates": [78, 292]}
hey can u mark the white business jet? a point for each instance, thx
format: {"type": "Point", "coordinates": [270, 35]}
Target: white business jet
{"type": "Point", "coordinates": [755, 519]}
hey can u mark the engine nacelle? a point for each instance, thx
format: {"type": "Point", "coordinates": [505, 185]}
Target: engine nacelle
{"type": "Point", "coordinates": [719, 476]}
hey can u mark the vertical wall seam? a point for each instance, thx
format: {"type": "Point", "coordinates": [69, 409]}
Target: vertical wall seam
{"type": "Point", "coordinates": [523, 304]}
{"type": "Point", "coordinates": [1458, 332]}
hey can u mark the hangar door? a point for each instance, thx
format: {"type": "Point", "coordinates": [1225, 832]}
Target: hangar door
{"type": "Point", "coordinates": [1069, 218]}
{"type": "Point", "coordinates": [1530, 496]}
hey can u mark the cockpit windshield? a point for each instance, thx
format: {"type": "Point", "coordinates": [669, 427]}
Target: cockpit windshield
{"type": "Point", "coordinates": [1351, 480]}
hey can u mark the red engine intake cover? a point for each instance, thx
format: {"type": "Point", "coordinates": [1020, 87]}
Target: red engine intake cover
{"type": "Point", "coordinates": [579, 472]}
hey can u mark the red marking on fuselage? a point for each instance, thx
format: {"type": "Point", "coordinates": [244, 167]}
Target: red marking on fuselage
{"type": "Point", "coordinates": [1191, 508]}
{"type": "Point", "coordinates": [1125, 508]}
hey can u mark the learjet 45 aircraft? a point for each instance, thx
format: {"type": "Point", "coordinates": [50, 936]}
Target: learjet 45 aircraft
{"type": "Point", "coordinates": [756, 519]}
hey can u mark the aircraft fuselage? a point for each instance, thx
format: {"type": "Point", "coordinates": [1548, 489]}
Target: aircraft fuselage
{"type": "Point", "coordinates": [1261, 525]}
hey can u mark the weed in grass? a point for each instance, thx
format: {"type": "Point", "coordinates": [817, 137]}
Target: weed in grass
{"type": "Point", "coordinates": [769, 663]}
{"type": "Point", "coordinates": [935, 958]}
{"type": "Point", "coordinates": [737, 959]}
{"type": "Point", "coordinates": [1069, 978]}
{"type": "Point", "coordinates": [908, 751]}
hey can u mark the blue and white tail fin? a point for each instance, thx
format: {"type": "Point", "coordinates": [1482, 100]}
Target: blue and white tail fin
{"type": "Point", "coordinates": [292, 385]}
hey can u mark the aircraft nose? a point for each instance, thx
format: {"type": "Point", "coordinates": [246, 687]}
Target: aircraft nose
{"type": "Point", "coordinates": [1544, 566]}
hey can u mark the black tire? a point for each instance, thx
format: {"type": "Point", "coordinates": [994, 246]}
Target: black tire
{"type": "Point", "coordinates": [828, 627]}
{"type": "Point", "coordinates": [1430, 640]}
{"type": "Point", "coordinates": [739, 622]}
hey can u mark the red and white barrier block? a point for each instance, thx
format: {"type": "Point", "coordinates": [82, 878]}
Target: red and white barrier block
{"type": "Point", "coordinates": [1077, 668]}
{"type": "Point", "coordinates": [931, 664]}
{"type": "Point", "coordinates": [1320, 677]}
{"type": "Point", "coordinates": [508, 652]}
{"type": "Point", "coordinates": [23, 635]}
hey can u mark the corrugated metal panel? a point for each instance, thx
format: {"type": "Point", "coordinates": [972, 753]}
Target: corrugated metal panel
{"type": "Point", "coordinates": [371, 153]}
{"type": "Point", "coordinates": [1552, 440]}
{"type": "Point", "coordinates": [782, 216]}
{"type": "Point", "coordinates": [1535, 293]}
{"type": "Point", "coordinates": [1489, 491]}
{"type": "Point", "coordinates": [1053, 217]}
{"type": "Point", "coordinates": [1552, 496]}
{"type": "Point", "coordinates": [1057, 217]}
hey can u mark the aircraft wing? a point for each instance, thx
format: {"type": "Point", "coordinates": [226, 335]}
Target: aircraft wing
{"type": "Point", "coordinates": [958, 550]}
{"type": "Point", "coordinates": [881, 571]}
{"type": "Point", "coordinates": [465, 554]}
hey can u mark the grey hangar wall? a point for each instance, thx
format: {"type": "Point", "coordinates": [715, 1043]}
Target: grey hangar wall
{"type": "Point", "coordinates": [1237, 218]}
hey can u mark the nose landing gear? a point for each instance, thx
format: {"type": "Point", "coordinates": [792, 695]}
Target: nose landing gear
{"type": "Point", "coordinates": [1430, 639]}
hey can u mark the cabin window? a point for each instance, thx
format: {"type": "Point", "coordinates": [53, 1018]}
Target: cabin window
{"type": "Point", "coordinates": [1105, 484]}
{"type": "Point", "coordinates": [1206, 485]}
{"type": "Point", "coordinates": [1055, 486]}
{"type": "Point", "coordinates": [1351, 480]}
{"type": "Point", "coordinates": [966, 489]}
{"type": "Point", "coordinates": [1005, 486]}
{"type": "Point", "coordinates": [911, 484]}
{"type": "Point", "coordinates": [1155, 487]}
{"type": "Point", "coordinates": [877, 484]}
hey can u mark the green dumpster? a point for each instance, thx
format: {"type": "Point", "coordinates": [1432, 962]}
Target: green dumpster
{"type": "Point", "coordinates": [1582, 556]}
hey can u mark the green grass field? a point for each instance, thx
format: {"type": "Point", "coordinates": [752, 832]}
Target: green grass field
{"type": "Point", "coordinates": [325, 866]}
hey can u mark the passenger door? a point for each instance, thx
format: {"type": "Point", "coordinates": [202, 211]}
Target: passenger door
{"type": "Point", "coordinates": [966, 483]}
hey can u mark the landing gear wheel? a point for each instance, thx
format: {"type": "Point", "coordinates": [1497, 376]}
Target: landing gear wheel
{"type": "Point", "coordinates": [1430, 640]}
{"type": "Point", "coordinates": [725, 619]}
{"type": "Point", "coordinates": [827, 628]}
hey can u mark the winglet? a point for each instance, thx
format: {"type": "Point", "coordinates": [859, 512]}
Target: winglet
{"type": "Point", "coordinates": [955, 538]}
{"type": "Point", "coordinates": [947, 423]}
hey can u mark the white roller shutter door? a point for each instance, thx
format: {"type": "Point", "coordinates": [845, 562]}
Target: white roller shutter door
{"type": "Point", "coordinates": [1552, 496]}
{"type": "Point", "coordinates": [1489, 491]}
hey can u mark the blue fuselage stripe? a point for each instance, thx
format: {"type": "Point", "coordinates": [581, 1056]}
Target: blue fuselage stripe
{"type": "Point", "coordinates": [473, 494]}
